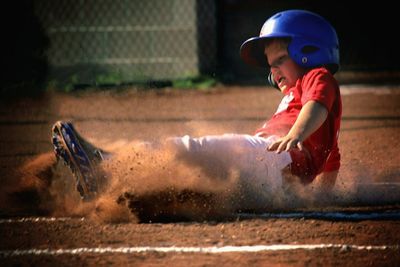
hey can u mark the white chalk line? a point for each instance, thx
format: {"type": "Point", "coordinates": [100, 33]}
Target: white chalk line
{"type": "Point", "coordinates": [40, 219]}
{"type": "Point", "coordinates": [202, 250]}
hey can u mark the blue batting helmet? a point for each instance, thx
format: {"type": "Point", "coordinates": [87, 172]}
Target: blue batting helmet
{"type": "Point", "coordinates": [313, 41]}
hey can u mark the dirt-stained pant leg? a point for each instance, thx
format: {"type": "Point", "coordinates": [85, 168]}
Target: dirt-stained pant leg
{"type": "Point", "coordinates": [259, 170]}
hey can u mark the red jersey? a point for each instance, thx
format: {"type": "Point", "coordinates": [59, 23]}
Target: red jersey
{"type": "Point", "coordinates": [321, 148]}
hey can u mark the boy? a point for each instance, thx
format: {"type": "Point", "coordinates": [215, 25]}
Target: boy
{"type": "Point", "coordinates": [302, 50]}
{"type": "Point", "coordinates": [300, 140]}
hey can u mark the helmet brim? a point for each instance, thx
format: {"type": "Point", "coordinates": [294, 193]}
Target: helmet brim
{"type": "Point", "coordinates": [252, 50]}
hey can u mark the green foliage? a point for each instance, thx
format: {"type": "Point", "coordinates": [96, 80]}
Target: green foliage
{"type": "Point", "coordinates": [64, 86]}
{"type": "Point", "coordinates": [197, 82]}
{"type": "Point", "coordinates": [74, 79]}
{"type": "Point", "coordinates": [116, 80]}
{"type": "Point", "coordinates": [113, 78]}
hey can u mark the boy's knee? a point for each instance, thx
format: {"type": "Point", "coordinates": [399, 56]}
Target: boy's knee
{"type": "Point", "coordinates": [325, 182]}
{"type": "Point", "coordinates": [180, 144]}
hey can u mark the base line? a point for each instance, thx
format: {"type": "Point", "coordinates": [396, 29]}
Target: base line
{"type": "Point", "coordinates": [40, 219]}
{"type": "Point", "coordinates": [213, 250]}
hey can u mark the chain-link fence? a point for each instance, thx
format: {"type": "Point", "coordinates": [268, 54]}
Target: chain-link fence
{"type": "Point", "coordinates": [120, 41]}
{"type": "Point", "coordinates": [97, 42]}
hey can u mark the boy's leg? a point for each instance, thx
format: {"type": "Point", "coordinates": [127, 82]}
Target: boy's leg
{"type": "Point", "coordinates": [80, 156]}
{"type": "Point", "coordinates": [243, 153]}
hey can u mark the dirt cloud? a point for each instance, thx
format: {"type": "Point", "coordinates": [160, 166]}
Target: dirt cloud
{"type": "Point", "coordinates": [145, 183]}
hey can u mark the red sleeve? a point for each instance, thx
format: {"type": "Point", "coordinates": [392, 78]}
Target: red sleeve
{"type": "Point", "coordinates": [318, 85]}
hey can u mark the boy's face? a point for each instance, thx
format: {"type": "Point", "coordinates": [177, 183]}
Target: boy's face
{"type": "Point", "coordinates": [285, 71]}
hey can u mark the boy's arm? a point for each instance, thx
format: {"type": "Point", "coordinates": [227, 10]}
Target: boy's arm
{"type": "Point", "coordinates": [311, 117]}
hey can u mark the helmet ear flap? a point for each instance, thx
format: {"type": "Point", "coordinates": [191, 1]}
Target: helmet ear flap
{"type": "Point", "coordinates": [271, 81]}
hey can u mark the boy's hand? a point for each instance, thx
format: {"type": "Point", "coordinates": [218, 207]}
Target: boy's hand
{"type": "Point", "coordinates": [285, 143]}
{"type": "Point", "coordinates": [311, 117]}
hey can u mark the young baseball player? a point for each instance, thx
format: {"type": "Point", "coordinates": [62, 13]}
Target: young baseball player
{"type": "Point", "coordinates": [300, 141]}
{"type": "Point", "coordinates": [301, 50]}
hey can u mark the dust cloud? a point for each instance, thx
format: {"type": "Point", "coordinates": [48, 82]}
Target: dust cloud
{"type": "Point", "coordinates": [145, 183]}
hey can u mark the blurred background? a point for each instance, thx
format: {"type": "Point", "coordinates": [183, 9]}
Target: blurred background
{"type": "Point", "coordinates": [74, 44]}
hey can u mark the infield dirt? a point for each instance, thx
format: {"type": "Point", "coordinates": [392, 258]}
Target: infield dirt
{"type": "Point", "coordinates": [368, 179]}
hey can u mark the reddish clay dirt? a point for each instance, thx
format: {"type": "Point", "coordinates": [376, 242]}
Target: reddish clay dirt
{"type": "Point", "coordinates": [367, 181]}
